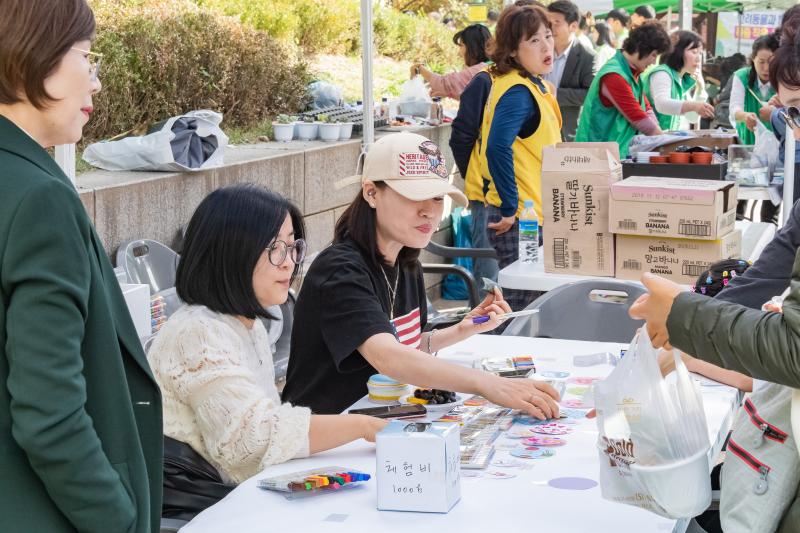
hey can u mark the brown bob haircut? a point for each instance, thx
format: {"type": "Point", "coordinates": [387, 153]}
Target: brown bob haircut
{"type": "Point", "coordinates": [34, 36]}
{"type": "Point", "coordinates": [784, 69]}
{"type": "Point", "coordinates": [516, 24]}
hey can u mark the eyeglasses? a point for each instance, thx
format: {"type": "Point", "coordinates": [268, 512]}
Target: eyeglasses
{"type": "Point", "coordinates": [94, 58]}
{"type": "Point", "coordinates": [279, 250]}
{"type": "Point", "coordinates": [791, 116]}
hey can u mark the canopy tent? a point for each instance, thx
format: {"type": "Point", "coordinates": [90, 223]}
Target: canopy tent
{"type": "Point", "coordinates": [598, 7]}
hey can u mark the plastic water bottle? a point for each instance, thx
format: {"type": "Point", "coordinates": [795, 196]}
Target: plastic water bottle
{"type": "Point", "coordinates": [529, 234]}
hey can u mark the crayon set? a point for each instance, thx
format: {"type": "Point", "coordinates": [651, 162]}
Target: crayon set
{"type": "Point", "coordinates": [326, 479]}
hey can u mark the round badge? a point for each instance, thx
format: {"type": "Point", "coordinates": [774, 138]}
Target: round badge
{"type": "Point", "coordinates": [523, 453]}
{"type": "Point", "coordinates": [583, 380]}
{"type": "Point", "coordinates": [552, 429]}
{"type": "Point", "coordinates": [543, 441]}
{"type": "Point", "coordinates": [519, 433]}
{"type": "Point", "coordinates": [574, 403]}
{"type": "Point", "coordinates": [553, 374]}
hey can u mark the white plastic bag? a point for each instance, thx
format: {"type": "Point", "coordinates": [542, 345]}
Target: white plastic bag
{"type": "Point", "coordinates": [155, 151]}
{"type": "Point", "coordinates": [766, 147]}
{"type": "Point", "coordinates": [653, 441]}
{"type": "Point", "coordinates": [414, 98]}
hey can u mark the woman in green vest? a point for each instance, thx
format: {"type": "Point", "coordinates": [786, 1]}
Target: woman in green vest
{"type": "Point", "coordinates": [80, 413]}
{"type": "Point", "coordinates": [672, 87]}
{"type": "Point", "coordinates": [616, 107]}
{"type": "Point", "coordinates": [751, 90]}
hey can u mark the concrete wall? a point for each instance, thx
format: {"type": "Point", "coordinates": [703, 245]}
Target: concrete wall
{"type": "Point", "coordinates": [156, 205]}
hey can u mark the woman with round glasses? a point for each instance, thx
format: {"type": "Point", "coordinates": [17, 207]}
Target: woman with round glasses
{"type": "Point", "coordinates": [243, 247]}
{"type": "Point", "coordinates": [80, 413]}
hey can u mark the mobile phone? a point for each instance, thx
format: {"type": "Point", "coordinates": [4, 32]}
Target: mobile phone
{"type": "Point", "coordinates": [392, 411]}
{"type": "Point", "coordinates": [516, 373]}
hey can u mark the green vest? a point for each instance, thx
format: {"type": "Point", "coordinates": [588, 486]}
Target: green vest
{"type": "Point", "coordinates": [681, 85]}
{"type": "Point", "coordinates": [751, 105]}
{"type": "Point", "coordinates": [598, 123]}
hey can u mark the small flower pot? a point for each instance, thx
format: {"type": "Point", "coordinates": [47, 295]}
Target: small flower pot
{"type": "Point", "coordinates": [679, 158]}
{"type": "Point", "coordinates": [308, 131]}
{"type": "Point", "coordinates": [701, 158]}
{"type": "Point", "coordinates": [346, 130]}
{"type": "Point", "coordinates": [329, 132]}
{"type": "Point", "coordinates": [283, 132]}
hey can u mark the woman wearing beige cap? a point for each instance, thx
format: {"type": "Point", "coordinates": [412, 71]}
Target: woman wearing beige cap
{"type": "Point", "coordinates": [362, 307]}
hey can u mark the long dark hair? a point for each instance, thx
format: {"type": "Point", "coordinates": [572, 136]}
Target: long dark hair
{"type": "Point", "coordinates": [475, 38]}
{"type": "Point", "coordinates": [684, 40]}
{"type": "Point", "coordinates": [516, 24]}
{"type": "Point", "coordinates": [226, 236]}
{"type": "Point", "coordinates": [359, 224]}
{"type": "Point", "coordinates": [765, 42]}
{"type": "Point", "coordinates": [603, 34]}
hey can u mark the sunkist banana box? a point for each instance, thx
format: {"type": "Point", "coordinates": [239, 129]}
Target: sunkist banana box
{"type": "Point", "coordinates": [576, 178]}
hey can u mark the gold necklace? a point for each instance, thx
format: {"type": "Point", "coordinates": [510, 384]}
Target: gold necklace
{"type": "Point", "coordinates": [392, 291]}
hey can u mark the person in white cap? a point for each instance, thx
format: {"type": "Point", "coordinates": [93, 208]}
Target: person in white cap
{"type": "Point", "coordinates": [362, 308]}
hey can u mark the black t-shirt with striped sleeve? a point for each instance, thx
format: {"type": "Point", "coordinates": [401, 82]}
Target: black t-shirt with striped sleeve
{"type": "Point", "coordinates": [343, 302]}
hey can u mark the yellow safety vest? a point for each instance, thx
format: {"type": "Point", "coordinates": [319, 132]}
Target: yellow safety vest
{"type": "Point", "coordinates": [528, 151]}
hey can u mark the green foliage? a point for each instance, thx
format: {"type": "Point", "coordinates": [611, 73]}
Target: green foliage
{"type": "Point", "coordinates": [166, 57]}
{"type": "Point", "coordinates": [414, 38]}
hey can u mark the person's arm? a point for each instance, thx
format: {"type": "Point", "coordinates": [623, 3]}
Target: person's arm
{"type": "Point", "coordinates": [764, 345]}
{"type": "Point", "coordinates": [243, 429]}
{"type": "Point", "coordinates": [575, 96]}
{"type": "Point", "coordinates": [772, 271]}
{"type": "Point", "coordinates": [407, 365]}
{"type": "Point", "coordinates": [45, 278]}
{"type": "Point", "coordinates": [736, 109]}
{"type": "Point", "coordinates": [453, 84]}
{"type": "Point", "coordinates": [466, 127]}
{"type": "Point", "coordinates": [661, 90]}
{"type": "Point", "coordinates": [331, 431]}
{"type": "Point", "coordinates": [512, 111]}
{"type": "Point", "coordinates": [618, 93]}
{"type": "Point", "coordinates": [666, 360]}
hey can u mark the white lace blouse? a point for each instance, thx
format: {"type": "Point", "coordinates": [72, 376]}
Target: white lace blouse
{"type": "Point", "coordinates": [219, 396]}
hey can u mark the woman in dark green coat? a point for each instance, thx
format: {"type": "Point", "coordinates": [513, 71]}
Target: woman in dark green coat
{"type": "Point", "coordinates": [80, 414]}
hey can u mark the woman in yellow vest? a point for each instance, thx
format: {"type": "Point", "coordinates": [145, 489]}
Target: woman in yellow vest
{"type": "Point", "coordinates": [520, 118]}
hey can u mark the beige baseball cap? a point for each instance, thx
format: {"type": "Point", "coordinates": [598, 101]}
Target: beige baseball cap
{"type": "Point", "coordinates": [412, 165]}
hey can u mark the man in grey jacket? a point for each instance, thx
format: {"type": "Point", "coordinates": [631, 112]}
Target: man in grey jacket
{"type": "Point", "coordinates": [573, 64]}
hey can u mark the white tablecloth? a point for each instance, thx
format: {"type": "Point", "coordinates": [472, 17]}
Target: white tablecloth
{"type": "Point", "coordinates": [755, 236]}
{"type": "Point", "coordinates": [523, 503]}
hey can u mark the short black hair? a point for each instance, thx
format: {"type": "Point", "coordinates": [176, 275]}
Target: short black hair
{"type": "Point", "coordinates": [645, 11]}
{"type": "Point", "coordinates": [568, 9]}
{"type": "Point", "coordinates": [683, 40]}
{"type": "Point", "coordinates": [359, 223]}
{"type": "Point", "coordinates": [226, 236]}
{"type": "Point", "coordinates": [648, 38]}
{"type": "Point", "coordinates": [475, 38]}
{"type": "Point", "coordinates": [619, 14]}
{"type": "Point", "coordinates": [492, 15]}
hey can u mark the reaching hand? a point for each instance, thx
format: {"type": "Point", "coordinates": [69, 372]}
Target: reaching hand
{"type": "Point", "coordinates": [493, 306]}
{"type": "Point", "coordinates": [535, 398]}
{"type": "Point", "coordinates": [751, 120]}
{"type": "Point", "coordinates": [655, 306]}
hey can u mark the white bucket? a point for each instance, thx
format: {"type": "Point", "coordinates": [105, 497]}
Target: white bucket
{"type": "Point", "coordinates": [682, 488]}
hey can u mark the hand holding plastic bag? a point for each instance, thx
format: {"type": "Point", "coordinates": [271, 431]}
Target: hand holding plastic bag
{"type": "Point", "coordinates": [653, 440]}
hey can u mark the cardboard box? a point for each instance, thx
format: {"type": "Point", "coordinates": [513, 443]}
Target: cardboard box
{"type": "Point", "coordinates": [575, 187]}
{"type": "Point", "coordinates": [712, 139]}
{"type": "Point", "coordinates": [680, 260]}
{"type": "Point", "coordinates": [673, 207]}
{"type": "Point", "coordinates": [418, 466]}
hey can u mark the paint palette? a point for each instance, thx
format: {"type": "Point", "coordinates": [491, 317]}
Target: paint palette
{"type": "Point", "coordinates": [316, 481]}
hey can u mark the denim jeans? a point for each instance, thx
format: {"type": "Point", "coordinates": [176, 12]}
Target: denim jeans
{"type": "Point", "coordinates": [482, 267]}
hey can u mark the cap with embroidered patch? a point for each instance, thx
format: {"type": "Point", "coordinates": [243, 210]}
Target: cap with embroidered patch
{"type": "Point", "coordinates": [412, 165]}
